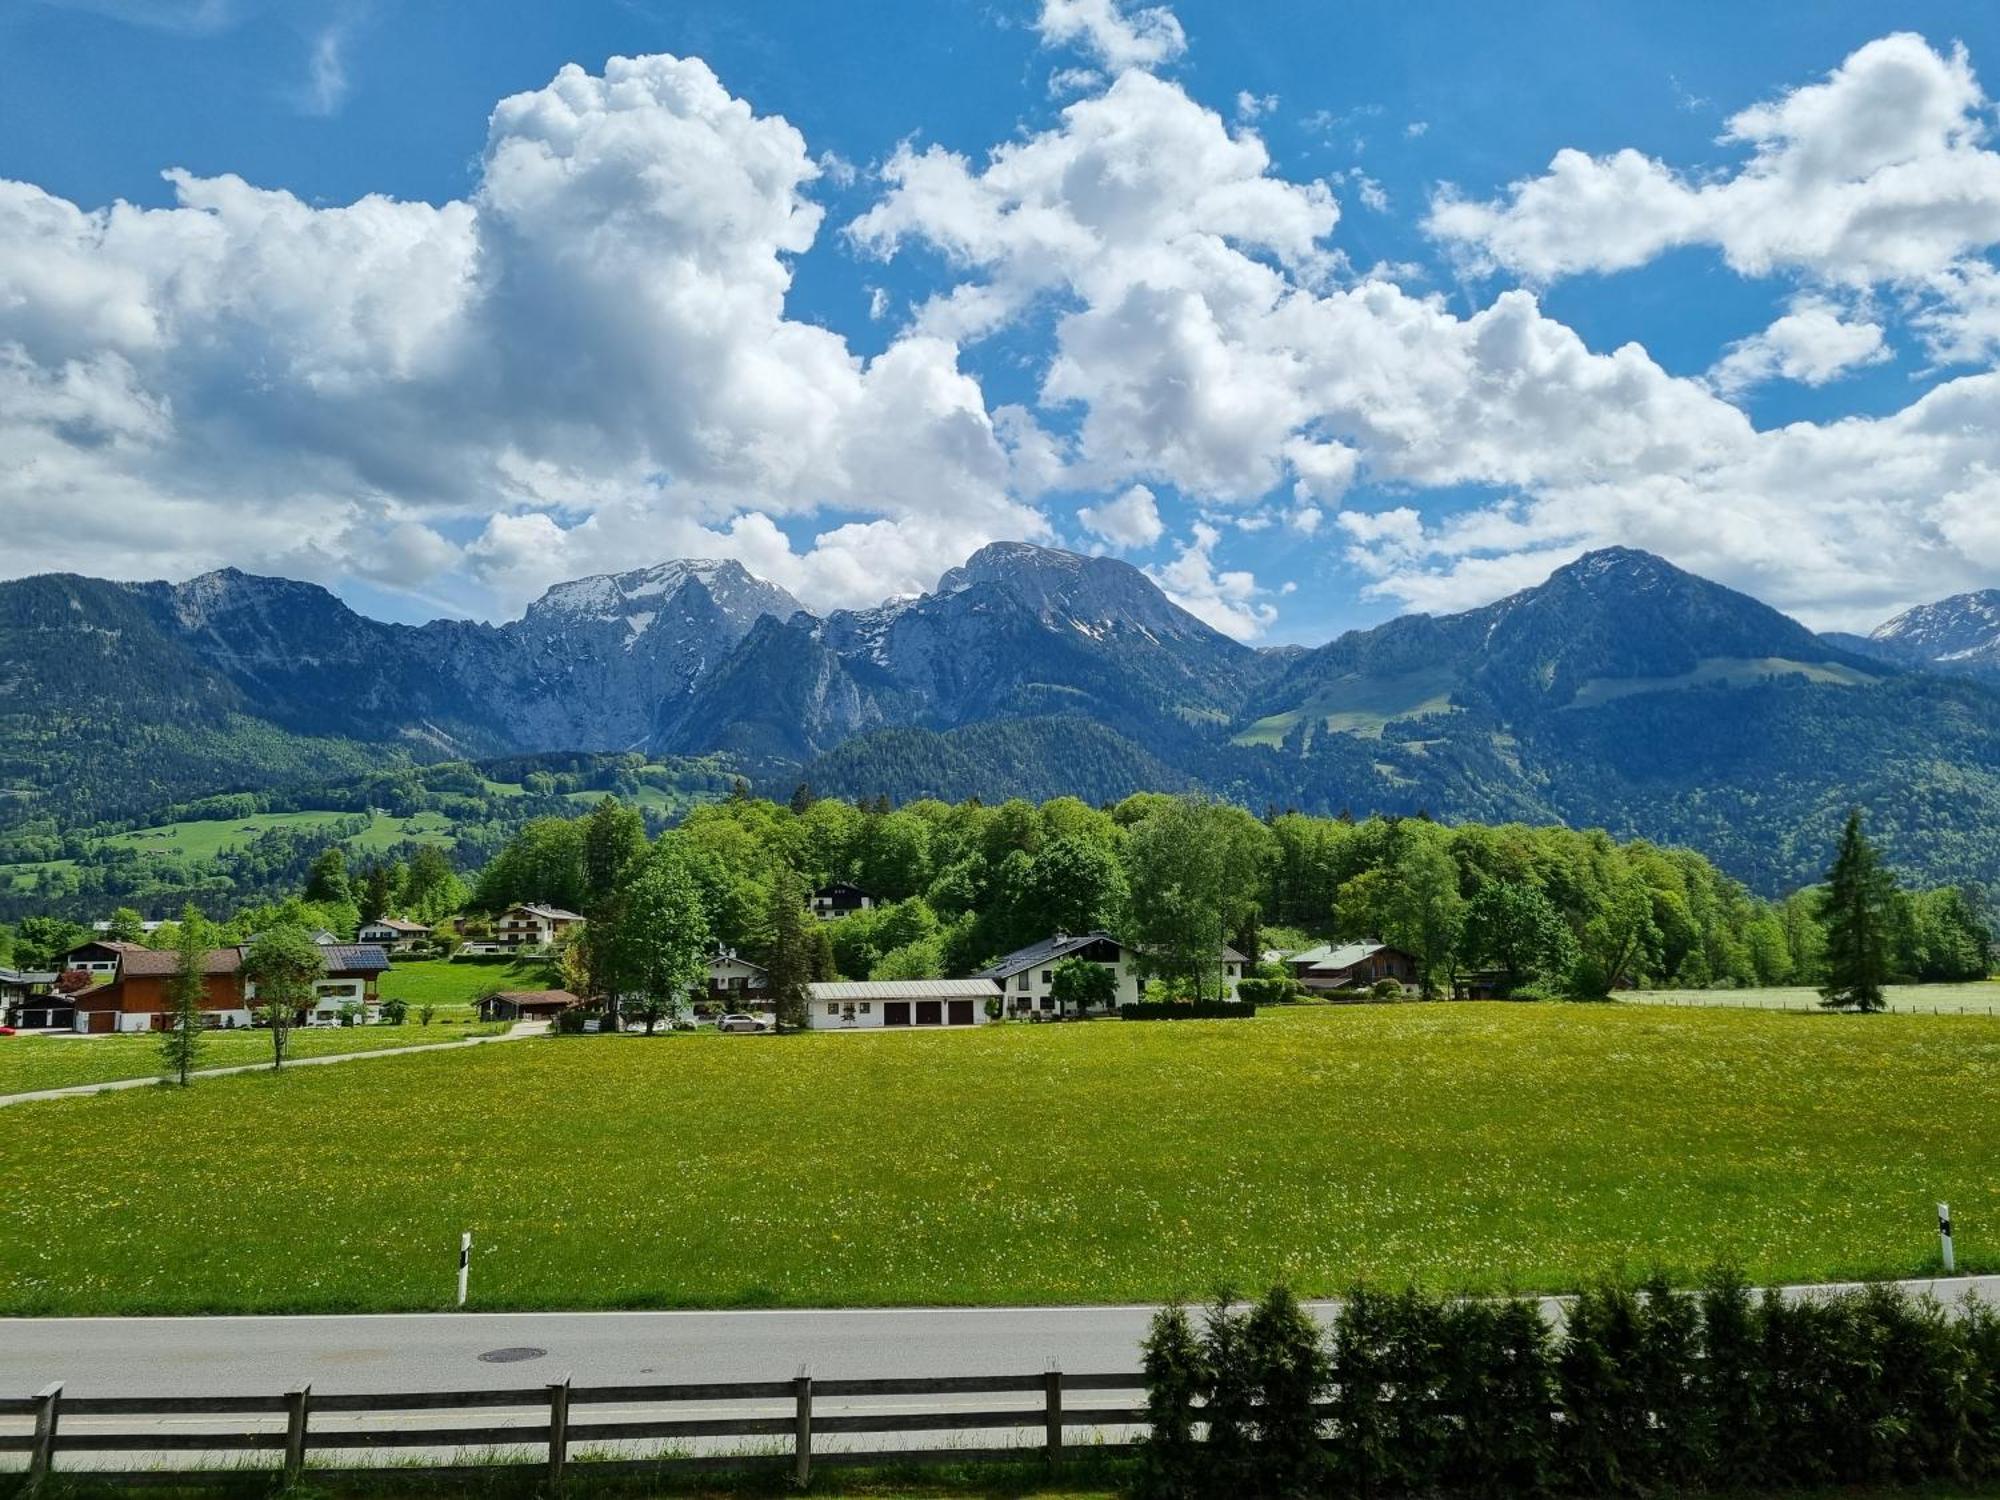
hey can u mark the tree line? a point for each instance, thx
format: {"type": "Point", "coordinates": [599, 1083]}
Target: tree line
{"type": "Point", "coordinates": [1533, 909]}
{"type": "Point", "coordinates": [1528, 909]}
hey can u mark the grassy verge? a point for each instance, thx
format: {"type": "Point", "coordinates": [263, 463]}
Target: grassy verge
{"type": "Point", "coordinates": [29, 1062]}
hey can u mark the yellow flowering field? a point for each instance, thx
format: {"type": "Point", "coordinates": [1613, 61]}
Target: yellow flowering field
{"type": "Point", "coordinates": [1464, 1146]}
{"type": "Point", "coordinates": [29, 1062]}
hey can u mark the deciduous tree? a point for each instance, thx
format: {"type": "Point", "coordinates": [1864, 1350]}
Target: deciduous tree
{"type": "Point", "coordinates": [282, 966]}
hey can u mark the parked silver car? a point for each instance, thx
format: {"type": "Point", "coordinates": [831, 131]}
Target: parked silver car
{"type": "Point", "coordinates": [739, 1021]}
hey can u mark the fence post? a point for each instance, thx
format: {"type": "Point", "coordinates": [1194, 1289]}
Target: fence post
{"type": "Point", "coordinates": [298, 1405]}
{"type": "Point", "coordinates": [802, 1439]}
{"type": "Point", "coordinates": [558, 1429]}
{"type": "Point", "coordinates": [1053, 1412]}
{"type": "Point", "coordinates": [48, 1408]}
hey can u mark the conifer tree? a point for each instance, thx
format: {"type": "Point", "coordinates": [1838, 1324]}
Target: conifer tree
{"type": "Point", "coordinates": [181, 1042]}
{"type": "Point", "coordinates": [795, 950]}
{"type": "Point", "coordinates": [1860, 898]}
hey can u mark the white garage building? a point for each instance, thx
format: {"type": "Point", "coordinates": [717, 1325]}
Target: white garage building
{"type": "Point", "coordinates": [900, 1003]}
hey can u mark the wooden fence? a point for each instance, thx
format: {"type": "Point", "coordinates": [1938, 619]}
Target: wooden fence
{"type": "Point", "coordinates": [552, 1437]}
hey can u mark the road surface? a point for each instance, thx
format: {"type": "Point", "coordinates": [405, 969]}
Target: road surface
{"type": "Point", "coordinates": [442, 1351]}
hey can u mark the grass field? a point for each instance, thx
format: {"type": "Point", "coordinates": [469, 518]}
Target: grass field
{"type": "Point", "coordinates": [1468, 1146]}
{"type": "Point", "coordinates": [33, 1062]}
{"type": "Point", "coordinates": [1918, 999]}
{"type": "Point", "coordinates": [455, 987]}
{"type": "Point", "coordinates": [207, 838]}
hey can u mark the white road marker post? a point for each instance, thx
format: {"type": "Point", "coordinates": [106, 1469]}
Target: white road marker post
{"type": "Point", "coordinates": [1944, 1236]}
{"type": "Point", "coordinates": [464, 1263]}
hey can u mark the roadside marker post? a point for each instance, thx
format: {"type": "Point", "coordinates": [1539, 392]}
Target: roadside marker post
{"type": "Point", "coordinates": [1944, 1236]}
{"type": "Point", "coordinates": [464, 1264]}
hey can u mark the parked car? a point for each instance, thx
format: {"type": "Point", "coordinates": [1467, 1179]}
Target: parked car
{"type": "Point", "coordinates": [738, 1021]}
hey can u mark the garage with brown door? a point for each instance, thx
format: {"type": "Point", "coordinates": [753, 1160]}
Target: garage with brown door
{"type": "Point", "coordinates": [852, 1005]}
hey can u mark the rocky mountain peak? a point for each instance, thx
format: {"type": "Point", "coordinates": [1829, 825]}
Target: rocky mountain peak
{"type": "Point", "coordinates": [636, 599]}
{"type": "Point", "coordinates": [1963, 627]}
{"type": "Point", "coordinates": [1068, 589]}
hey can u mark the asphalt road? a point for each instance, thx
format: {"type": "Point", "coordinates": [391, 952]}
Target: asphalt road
{"type": "Point", "coordinates": [415, 1352]}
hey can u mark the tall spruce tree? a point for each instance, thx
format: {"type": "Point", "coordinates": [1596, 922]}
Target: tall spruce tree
{"type": "Point", "coordinates": [794, 954]}
{"type": "Point", "coordinates": [1860, 902]}
{"type": "Point", "coordinates": [181, 1042]}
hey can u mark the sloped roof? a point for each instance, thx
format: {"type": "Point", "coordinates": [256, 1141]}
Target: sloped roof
{"type": "Point", "coordinates": [1334, 958]}
{"type": "Point", "coordinates": [555, 913]}
{"type": "Point", "coordinates": [1046, 951]}
{"type": "Point", "coordinates": [397, 924]}
{"type": "Point", "coordinates": [355, 958]}
{"type": "Point", "coordinates": [535, 997]}
{"type": "Point", "coordinates": [110, 945]}
{"type": "Point", "coordinates": [905, 989]}
{"type": "Point", "coordinates": [156, 963]}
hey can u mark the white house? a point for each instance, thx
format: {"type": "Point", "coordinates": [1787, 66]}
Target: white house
{"type": "Point", "coordinates": [734, 984]}
{"type": "Point", "coordinates": [392, 933]}
{"type": "Point", "coordinates": [530, 925]}
{"type": "Point", "coordinates": [1027, 974]}
{"type": "Point", "coordinates": [840, 899]}
{"type": "Point", "coordinates": [856, 1005]}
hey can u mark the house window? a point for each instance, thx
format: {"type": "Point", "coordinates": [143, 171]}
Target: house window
{"type": "Point", "coordinates": [1021, 981]}
{"type": "Point", "coordinates": [1047, 1003]}
{"type": "Point", "coordinates": [866, 1006]}
{"type": "Point", "coordinates": [1047, 974]}
{"type": "Point", "coordinates": [833, 1007]}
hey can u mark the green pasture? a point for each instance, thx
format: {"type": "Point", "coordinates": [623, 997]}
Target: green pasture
{"type": "Point", "coordinates": [1476, 1146]}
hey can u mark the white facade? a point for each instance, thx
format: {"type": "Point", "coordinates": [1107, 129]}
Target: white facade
{"type": "Point", "coordinates": [1027, 977]}
{"type": "Point", "coordinates": [531, 926]}
{"type": "Point", "coordinates": [899, 1004]}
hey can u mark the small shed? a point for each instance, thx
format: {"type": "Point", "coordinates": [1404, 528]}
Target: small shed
{"type": "Point", "coordinates": [526, 1005]}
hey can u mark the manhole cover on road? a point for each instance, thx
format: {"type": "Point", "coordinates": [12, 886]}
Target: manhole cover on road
{"type": "Point", "coordinates": [511, 1356]}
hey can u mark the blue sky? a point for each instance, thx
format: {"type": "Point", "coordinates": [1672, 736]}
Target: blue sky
{"type": "Point", "coordinates": [232, 399]}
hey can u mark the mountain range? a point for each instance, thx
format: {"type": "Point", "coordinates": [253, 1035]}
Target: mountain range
{"type": "Point", "coordinates": [1622, 691]}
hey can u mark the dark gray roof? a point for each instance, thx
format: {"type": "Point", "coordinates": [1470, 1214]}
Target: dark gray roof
{"type": "Point", "coordinates": [355, 958]}
{"type": "Point", "coordinates": [1046, 951]}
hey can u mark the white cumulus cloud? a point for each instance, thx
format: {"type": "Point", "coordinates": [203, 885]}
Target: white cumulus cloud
{"type": "Point", "coordinates": [1813, 343]}
{"type": "Point", "coordinates": [1119, 34]}
{"type": "Point", "coordinates": [1130, 520]}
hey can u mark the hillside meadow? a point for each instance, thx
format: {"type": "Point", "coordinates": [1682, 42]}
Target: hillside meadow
{"type": "Point", "coordinates": [1476, 1146]}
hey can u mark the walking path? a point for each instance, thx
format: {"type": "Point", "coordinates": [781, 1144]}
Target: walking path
{"type": "Point", "coordinates": [518, 1030]}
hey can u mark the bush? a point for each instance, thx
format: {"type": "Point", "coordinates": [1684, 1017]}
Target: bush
{"type": "Point", "coordinates": [1203, 1010]}
{"type": "Point", "coordinates": [1176, 1371]}
{"type": "Point", "coordinates": [1386, 989]}
{"type": "Point", "coordinates": [395, 1012]}
{"type": "Point", "coordinates": [1646, 1390]}
{"type": "Point", "coordinates": [572, 1021]}
{"type": "Point", "coordinates": [1269, 991]}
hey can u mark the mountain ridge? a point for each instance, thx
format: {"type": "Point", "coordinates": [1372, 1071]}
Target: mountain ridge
{"type": "Point", "coordinates": [1622, 690]}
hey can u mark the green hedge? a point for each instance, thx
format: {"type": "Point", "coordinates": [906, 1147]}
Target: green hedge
{"type": "Point", "coordinates": [1643, 1390]}
{"type": "Point", "coordinates": [1204, 1010]}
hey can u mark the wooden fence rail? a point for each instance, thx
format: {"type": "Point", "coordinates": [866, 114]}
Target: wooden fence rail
{"type": "Point", "coordinates": [558, 1437]}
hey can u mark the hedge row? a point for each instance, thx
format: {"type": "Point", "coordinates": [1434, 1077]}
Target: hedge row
{"type": "Point", "coordinates": [1642, 1389]}
{"type": "Point", "coordinates": [1200, 1010]}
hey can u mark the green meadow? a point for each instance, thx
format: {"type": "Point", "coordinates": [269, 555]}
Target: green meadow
{"type": "Point", "coordinates": [29, 1062]}
{"type": "Point", "coordinates": [1477, 1146]}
